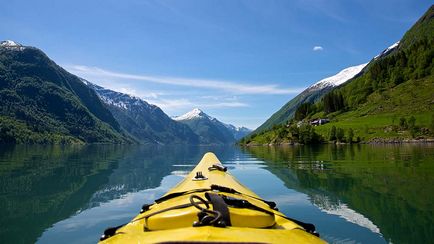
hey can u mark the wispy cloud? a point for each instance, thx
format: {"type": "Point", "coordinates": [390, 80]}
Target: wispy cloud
{"type": "Point", "coordinates": [171, 104]}
{"type": "Point", "coordinates": [224, 105]}
{"type": "Point", "coordinates": [317, 48]}
{"type": "Point", "coordinates": [176, 104]}
{"type": "Point", "coordinates": [330, 8]}
{"type": "Point", "coordinates": [229, 86]}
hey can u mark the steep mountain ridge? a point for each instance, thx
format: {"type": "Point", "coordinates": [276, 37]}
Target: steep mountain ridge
{"type": "Point", "coordinates": [145, 122]}
{"type": "Point", "coordinates": [43, 103]}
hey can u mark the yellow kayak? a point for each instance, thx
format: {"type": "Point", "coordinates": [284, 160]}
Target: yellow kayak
{"type": "Point", "coordinates": [210, 205]}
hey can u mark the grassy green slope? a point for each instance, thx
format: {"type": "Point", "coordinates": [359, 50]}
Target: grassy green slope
{"type": "Point", "coordinates": [379, 117]}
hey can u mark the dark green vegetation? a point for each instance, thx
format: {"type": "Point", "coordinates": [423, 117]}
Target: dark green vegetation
{"type": "Point", "coordinates": [390, 185]}
{"type": "Point", "coordinates": [332, 102]}
{"type": "Point", "coordinates": [145, 122]}
{"type": "Point", "coordinates": [284, 134]}
{"type": "Point", "coordinates": [371, 105]}
{"type": "Point", "coordinates": [43, 103]}
{"type": "Point", "coordinates": [304, 110]}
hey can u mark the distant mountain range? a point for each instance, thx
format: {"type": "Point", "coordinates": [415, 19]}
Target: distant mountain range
{"type": "Point", "coordinates": [210, 130]}
{"type": "Point", "coordinates": [145, 122]}
{"type": "Point", "coordinates": [43, 103]}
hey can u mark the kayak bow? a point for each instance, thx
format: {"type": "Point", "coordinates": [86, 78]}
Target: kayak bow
{"type": "Point", "coordinates": [210, 205]}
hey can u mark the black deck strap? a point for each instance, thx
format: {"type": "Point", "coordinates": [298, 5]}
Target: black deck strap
{"type": "Point", "coordinates": [214, 187]}
{"type": "Point", "coordinates": [109, 232]}
{"type": "Point", "coordinates": [241, 203]}
{"type": "Point", "coordinates": [219, 205]}
{"type": "Point", "coordinates": [219, 167]}
{"type": "Point", "coordinates": [180, 193]}
{"type": "Point", "coordinates": [145, 207]}
{"type": "Point", "coordinates": [307, 226]}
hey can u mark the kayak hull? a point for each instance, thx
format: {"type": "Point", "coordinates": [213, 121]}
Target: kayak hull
{"type": "Point", "coordinates": [172, 217]}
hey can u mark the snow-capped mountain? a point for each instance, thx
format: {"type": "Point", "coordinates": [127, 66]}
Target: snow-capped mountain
{"type": "Point", "coordinates": [210, 130]}
{"type": "Point", "coordinates": [193, 114]}
{"type": "Point", "coordinates": [145, 122]}
{"type": "Point", "coordinates": [316, 91]}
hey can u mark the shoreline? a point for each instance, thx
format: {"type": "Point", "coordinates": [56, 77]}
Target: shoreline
{"type": "Point", "coordinates": [378, 141]}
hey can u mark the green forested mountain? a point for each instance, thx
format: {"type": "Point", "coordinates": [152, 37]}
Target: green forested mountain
{"type": "Point", "coordinates": [43, 103]}
{"type": "Point", "coordinates": [412, 60]}
{"type": "Point", "coordinates": [392, 99]}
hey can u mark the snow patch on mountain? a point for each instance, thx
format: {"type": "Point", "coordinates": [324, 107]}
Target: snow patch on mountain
{"type": "Point", "coordinates": [236, 129]}
{"type": "Point", "coordinates": [387, 50]}
{"type": "Point", "coordinates": [118, 99]}
{"type": "Point", "coordinates": [340, 78]}
{"type": "Point", "coordinates": [11, 45]}
{"type": "Point", "coordinates": [193, 114]}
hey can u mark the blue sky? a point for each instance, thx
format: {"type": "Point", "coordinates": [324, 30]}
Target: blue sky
{"type": "Point", "coordinates": [239, 61]}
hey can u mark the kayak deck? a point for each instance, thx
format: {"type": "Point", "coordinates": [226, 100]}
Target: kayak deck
{"type": "Point", "coordinates": [210, 205]}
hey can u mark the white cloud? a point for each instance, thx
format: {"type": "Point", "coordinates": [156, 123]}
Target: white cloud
{"type": "Point", "coordinates": [171, 104]}
{"type": "Point", "coordinates": [128, 90]}
{"type": "Point", "coordinates": [224, 105]}
{"type": "Point", "coordinates": [134, 92]}
{"type": "Point", "coordinates": [176, 104]}
{"type": "Point", "coordinates": [317, 48]}
{"type": "Point", "coordinates": [229, 86]}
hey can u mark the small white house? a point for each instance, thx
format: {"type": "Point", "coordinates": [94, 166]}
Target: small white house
{"type": "Point", "coordinates": [317, 122]}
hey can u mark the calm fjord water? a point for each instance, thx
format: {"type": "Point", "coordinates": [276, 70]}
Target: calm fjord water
{"type": "Point", "coordinates": [352, 193]}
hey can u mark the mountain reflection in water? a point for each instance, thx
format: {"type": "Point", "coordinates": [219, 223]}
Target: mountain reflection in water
{"type": "Point", "coordinates": [352, 193]}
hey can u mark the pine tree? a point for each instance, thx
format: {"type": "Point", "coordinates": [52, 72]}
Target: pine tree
{"type": "Point", "coordinates": [350, 135]}
{"type": "Point", "coordinates": [340, 134]}
{"type": "Point", "coordinates": [332, 133]}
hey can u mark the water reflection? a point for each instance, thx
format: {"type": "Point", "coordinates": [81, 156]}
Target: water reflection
{"type": "Point", "coordinates": [386, 188]}
{"type": "Point", "coordinates": [358, 193]}
{"type": "Point", "coordinates": [42, 185]}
